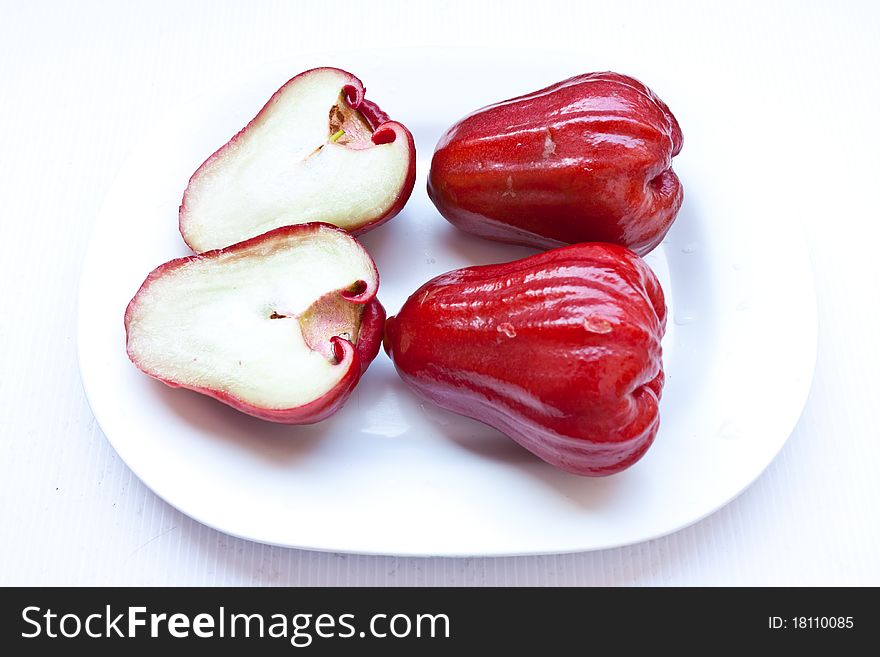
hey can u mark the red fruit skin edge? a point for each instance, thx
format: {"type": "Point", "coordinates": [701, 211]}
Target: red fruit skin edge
{"type": "Point", "coordinates": [385, 131]}
{"type": "Point", "coordinates": [358, 357]}
{"type": "Point", "coordinates": [587, 159]}
{"type": "Point", "coordinates": [559, 351]}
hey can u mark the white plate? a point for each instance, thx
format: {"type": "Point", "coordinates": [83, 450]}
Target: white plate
{"type": "Point", "coordinates": [390, 475]}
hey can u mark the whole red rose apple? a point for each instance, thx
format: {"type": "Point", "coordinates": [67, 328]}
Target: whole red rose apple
{"type": "Point", "coordinates": [560, 351]}
{"type": "Point", "coordinates": [588, 159]}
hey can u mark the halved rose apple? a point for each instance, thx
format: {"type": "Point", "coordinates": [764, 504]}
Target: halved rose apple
{"type": "Point", "coordinates": [280, 326]}
{"type": "Point", "coordinates": [317, 151]}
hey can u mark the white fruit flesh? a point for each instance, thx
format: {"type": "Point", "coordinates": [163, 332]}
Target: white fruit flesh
{"type": "Point", "coordinates": [287, 166]}
{"type": "Point", "coordinates": [242, 322]}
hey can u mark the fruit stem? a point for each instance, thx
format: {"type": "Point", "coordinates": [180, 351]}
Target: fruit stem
{"type": "Point", "coordinates": [336, 135]}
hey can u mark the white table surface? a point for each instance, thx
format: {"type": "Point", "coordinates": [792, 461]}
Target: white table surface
{"type": "Point", "coordinates": [80, 81]}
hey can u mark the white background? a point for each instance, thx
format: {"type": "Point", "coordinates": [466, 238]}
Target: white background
{"type": "Point", "coordinates": [79, 82]}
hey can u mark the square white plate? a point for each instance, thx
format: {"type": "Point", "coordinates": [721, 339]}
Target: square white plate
{"type": "Point", "coordinates": [389, 474]}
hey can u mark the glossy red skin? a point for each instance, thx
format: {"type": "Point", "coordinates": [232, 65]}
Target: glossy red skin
{"type": "Point", "coordinates": [560, 351]}
{"type": "Point", "coordinates": [355, 358]}
{"type": "Point", "coordinates": [385, 130]}
{"type": "Point", "coordinates": [585, 160]}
